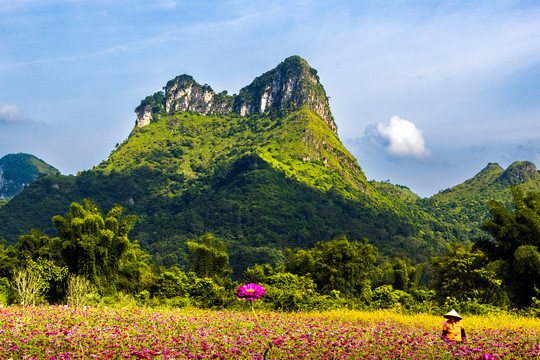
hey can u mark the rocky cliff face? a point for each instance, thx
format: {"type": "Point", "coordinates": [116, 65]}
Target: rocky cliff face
{"type": "Point", "coordinates": [185, 94]}
{"type": "Point", "coordinates": [292, 85]}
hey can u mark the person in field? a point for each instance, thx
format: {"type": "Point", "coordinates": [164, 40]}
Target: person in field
{"type": "Point", "coordinates": [453, 328]}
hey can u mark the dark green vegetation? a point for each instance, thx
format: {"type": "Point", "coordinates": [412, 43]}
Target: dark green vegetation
{"type": "Point", "coordinates": [262, 182]}
{"type": "Point", "coordinates": [253, 188]}
{"type": "Point", "coordinates": [265, 173]}
{"type": "Point", "coordinates": [467, 205]}
{"type": "Point", "coordinates": [19, 170]}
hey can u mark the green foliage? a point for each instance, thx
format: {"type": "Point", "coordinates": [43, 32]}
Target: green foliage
{"type": "Point", "coordinates": [8, 262]}
{"type": "Point", "coordinates": [399, 273]}
{"type": "Point", "coordinates": [208, 259]}
{"type": "Point", "coordinates": [24, 168]}
{"type": "Point", "coordinates": [172, 283]}
{"type": "Point", "coordinates": [154, 103]}
{"type": "Point", "coordinates": [34, 207]}
{"type": "Point", "coordinates": [206, 293]}
{"type": "Point", "coordinates": [34, 246]}
{"type": "Point", "coordinates": [50, 275]}
{"type": "Point", "coordinates": [135, 272]}
{"type": "Point", "coordinates": [91, 245]}
{"type": "Point", "coordinates": [515, 245]}
{"type": "Point", "coordinates": [3, 202]}
{"type": "Point", "coordinates": [286, 291]}
{"type": "Point", "coordinates": [469, 307]}
{"type": "Point", "coordinates": [385, 297]}
{"type": "Point", "coordinates": [465, 273]}
{"type": "Point", "coordinates": [18, 170]}
{"type": "Point", "coordinates": [466, 206]}
{"type": "Point", "coordinates": [336, 265]}
{"type": "Point", "coordinates": [6, 291]}
{"type": "Point", "coordinates": [260, 183]}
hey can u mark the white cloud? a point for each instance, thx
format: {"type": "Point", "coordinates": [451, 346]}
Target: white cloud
{"type": "Point", "coordinates": [10, 114]}
{"type": "Point", "coordinates": [403, 138]}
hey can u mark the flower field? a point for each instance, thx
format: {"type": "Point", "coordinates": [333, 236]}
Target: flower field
{"type": "Point", "coordinates": [61, 332]}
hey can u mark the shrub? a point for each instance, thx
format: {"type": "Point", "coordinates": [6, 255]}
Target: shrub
{"type": "Point", "coordinates": [28, 287]}
{"type": "Point", "coordinates": [79, 291]}
{"type": "Point", "coordinates": [205, 293]}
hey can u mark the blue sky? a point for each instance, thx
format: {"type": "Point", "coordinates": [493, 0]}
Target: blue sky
{"type": "Point", "coordinates": [424, 93]}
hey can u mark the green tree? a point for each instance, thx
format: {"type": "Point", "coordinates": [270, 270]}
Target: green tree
{"type": "Point", "coordinates": [399, 273]}
{"type": "Point", "coordinates": [171, 283]}
{"type": "Point", "coordinates": [287, 291]}
{"type": "Point", "coordinates": [8, 261]}
{"type": "Point", "coordinates": [93, 246]}
{"type": "Point", "coordinates": [207, 259]}
{"type": "Point", "coordinates": [515, 245]}
{"type": "Point", "coordinates": [34, 246]}
{"type": "Point", "coordinates": [465, 274]}
{"type": "Point", "coordinates": [135, 271]}
{"type": "Point", "coordinates": [50, 276]}
{"type": "Point", "coordinates": [336, 265]}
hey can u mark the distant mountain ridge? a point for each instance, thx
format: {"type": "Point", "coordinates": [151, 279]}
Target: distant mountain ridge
{"type": "Point", "coordinates": [18, 170]}
{"type": "Point", "coordinates": [468, 202]}
{"type": "Point", "coordinates": [494, 179]}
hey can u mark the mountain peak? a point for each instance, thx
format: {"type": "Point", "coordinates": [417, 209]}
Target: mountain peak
{"type": "Point", "coordinates": [291, 85]}
{"type": "Point", "coordinates": [519, 172]}
{"type": "Point", "coordinates": [18, 170]}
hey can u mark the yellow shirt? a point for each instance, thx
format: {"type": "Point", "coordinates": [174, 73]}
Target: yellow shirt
{"type": "Point", "coordinates": [453, 330]}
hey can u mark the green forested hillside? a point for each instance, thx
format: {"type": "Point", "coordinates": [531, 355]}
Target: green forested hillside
{"type": "Point", "coordinates": [262, 171]}
{"type": "Point", "coordinates": [183, 177]}
{"type": "Point", "coordinates": [18, 170]}
{"type": "Point", "coordinates": [467, 204]}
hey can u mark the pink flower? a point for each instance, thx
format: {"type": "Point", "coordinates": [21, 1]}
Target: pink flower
{"type": "Point", "coordinates": [250, 292]}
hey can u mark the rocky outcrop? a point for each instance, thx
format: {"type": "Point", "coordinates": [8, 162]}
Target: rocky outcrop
{"type": "Point", "coordinates": [144, 116]}
{"type": "Point", "coordinates": [293, 84]}
{"type": "Point", "coordinates": [184, 94]}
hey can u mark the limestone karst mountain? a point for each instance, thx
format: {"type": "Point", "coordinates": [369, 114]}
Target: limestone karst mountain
{"type": "Point", "coordinates": [263, 170]}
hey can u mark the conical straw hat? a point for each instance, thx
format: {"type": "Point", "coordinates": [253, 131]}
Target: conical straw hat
{"type": "Point", "coordinates": [452, 313]}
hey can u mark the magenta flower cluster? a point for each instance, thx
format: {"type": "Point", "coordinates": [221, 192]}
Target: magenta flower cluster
{"type": "Point", "coordinates": [61, 333]}
{"type": "Point", "coordinates": [250, 292]}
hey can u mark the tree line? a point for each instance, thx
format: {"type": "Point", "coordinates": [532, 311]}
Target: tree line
{"type": "Point", "coordinates": [93, 261]}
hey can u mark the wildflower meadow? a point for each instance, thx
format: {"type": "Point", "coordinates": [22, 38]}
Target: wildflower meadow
{"type": "Point", "coordinates": [62, 332]}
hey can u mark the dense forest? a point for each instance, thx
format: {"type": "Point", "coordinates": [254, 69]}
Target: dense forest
{"type": "Point", "coordinates": [210, 190]}
{"type": "Point", "coordinates": [93, 260]}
